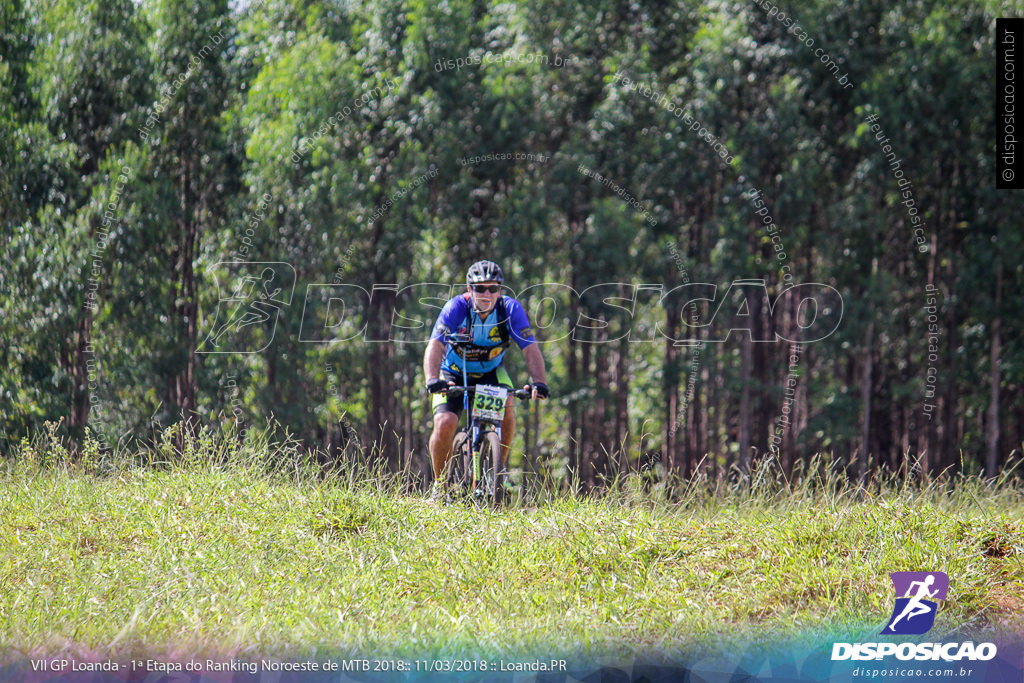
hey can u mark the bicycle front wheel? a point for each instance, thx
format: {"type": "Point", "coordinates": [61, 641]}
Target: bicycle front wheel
{"type": "Point", "coordinates": [458, 465]}
{"type": "Point", "coordinates": [490, 454]}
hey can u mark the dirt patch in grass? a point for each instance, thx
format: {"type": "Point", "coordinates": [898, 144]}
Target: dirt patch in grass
{"type": "Point", "coordinates": [1007, 609]}
{"type": "Point", "coordinates": [1004, 541]}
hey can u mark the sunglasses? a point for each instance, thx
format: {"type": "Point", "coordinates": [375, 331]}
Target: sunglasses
{"type": "Point", "coordinates": [480, 289]}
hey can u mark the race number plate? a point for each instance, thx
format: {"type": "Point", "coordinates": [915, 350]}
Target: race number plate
{"type": "Point", "coordinates": [489, 403]}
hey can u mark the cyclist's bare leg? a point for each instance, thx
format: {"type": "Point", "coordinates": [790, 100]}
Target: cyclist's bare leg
{"type": "Point", "coordinates": [508, 430]}
{"type": "Point", "coordinates": [445, 426]}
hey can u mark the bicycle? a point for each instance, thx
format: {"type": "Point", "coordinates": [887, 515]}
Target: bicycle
{"type": "Point", "coordinates": [476, 468]}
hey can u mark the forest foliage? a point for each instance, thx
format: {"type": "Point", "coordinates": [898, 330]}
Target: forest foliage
{"type": "Point", "coordinates": [741, 230]}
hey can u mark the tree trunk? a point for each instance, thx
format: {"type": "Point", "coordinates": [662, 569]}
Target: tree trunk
{"type": "Point", "coordinates": [586, 473]}
{"type": "Point", "coordinates": [600, 447]}
{"type": "Point", "coordinates": [746, 353]}
{"type": "Point", "coordinates": [382, 422]}
{"type": "Point", "coordinates": [184, 291]}
{"type": "Point", "coordinates": [949, 447]}
{"type": "Point", "coordinates": [622, 408]}
{"type": "Point", "coordinates": [574, 459]}
{"type": "Point", "coordinates": [761, 410]}
{"type": "Point", "coordinates": [78, 368]}
{"type": "Point", "coordinates": [700, 416]}
{"type": "Point", "coordinates": [670, 376]}
{"type": "Point", "coordinates": [718, 431]}
{"type": "Point", "coordinates": [866, 391]}
{"type": "Point", "coordinates": [992, 428]}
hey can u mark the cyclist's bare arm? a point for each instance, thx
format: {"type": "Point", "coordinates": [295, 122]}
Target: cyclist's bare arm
{"type": "Point", "coordinates": [432, 358]}
{"type": "Point", "coordinates": [535, 363]}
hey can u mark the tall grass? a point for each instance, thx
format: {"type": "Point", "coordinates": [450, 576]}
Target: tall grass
{"type": "Point", "coordinates": [208, 545]}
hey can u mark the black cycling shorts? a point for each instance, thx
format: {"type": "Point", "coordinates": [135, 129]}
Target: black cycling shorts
{"type": "Point", "coordinates": [444, 404]}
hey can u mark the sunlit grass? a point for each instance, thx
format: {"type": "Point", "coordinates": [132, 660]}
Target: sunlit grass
{"type": "Point", "coordinates": [252, 551]}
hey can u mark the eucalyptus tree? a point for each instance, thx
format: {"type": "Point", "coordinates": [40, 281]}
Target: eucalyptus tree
{"type": "Point", "coordinates": [74, 100]}
{"type": "Point", "coordinates": [350, 168]}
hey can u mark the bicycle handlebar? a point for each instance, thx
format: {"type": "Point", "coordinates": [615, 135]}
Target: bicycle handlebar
{"type": "Point", "coordinates": [456, 339]}
{"type": "Point", "coordinates": [457, 390]}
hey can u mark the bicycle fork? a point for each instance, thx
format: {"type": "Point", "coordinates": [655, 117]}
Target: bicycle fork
{"type": "Point", "coordinates": [476, 444]}
{"type": "Point", "coordinates": [477, 474]}
{"type": "Point", "coordinates": [477, 470]}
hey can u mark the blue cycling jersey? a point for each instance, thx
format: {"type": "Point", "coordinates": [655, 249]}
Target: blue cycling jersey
{"type": "Point", "coordinates": [487, 351]}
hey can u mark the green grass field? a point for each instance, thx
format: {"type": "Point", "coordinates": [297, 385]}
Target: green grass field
{"type": "Point", "coordinates": [223, 555]}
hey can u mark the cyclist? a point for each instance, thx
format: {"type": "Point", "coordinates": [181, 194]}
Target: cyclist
{"type": "Point", "coordinates": [493, 321]}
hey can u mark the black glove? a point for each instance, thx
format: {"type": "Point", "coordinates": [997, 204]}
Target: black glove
{"type": "Point", "coordinates": [436, 385]}
{"type": "Point", "coordinates": [541, 389]}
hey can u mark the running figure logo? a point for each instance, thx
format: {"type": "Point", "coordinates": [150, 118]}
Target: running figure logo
{"type": "Point", "coordinates": [245, 320]}
{"type": "Point", "coordinates": [914, 613]}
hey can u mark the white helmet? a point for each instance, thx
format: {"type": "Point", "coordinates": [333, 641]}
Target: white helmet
{"type": "Point", "coordinates": [484, 271]}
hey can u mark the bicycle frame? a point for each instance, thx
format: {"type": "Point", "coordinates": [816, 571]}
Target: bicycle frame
{"type": "Point", "coordinates": [478, 428]}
